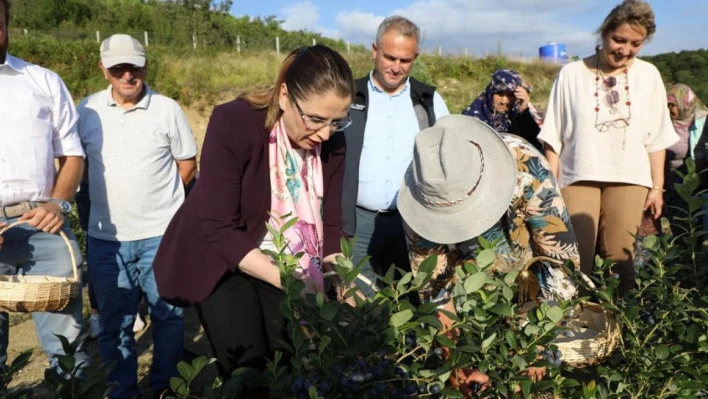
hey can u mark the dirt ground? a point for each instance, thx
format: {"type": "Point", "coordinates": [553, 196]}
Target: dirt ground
{"type": "Point", "coordinates": [24, 337]}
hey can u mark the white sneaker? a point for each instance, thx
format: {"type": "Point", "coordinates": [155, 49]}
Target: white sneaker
{"type": "Point", "coordinates": [94, 325]}
{"type": "Point", "coordinates": [139, 324]}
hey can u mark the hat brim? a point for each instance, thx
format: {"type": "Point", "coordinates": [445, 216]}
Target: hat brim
{"type": "Point", "coordinates": [482, 209]}
{"type": "Point", "coordinates": [110, 62]}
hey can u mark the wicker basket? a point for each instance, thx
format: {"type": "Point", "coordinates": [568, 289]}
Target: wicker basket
{"type": "Point", "coordinates": [27, 294]}
{"type": "Point", "coordinates": [593, 335]}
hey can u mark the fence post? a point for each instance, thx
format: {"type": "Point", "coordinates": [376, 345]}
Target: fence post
{"type": "Point", "coordinates": [98, 37]}
{"type": "Point", "coordinates": [238, 44]}
{"type": "Point", "coordinates": [147, 41]}
{"type": "Point", "coordinates": [25, 31]}
{"type": "Point", "coordinates": [194, 41]}
{"type": "Point", "coordinates": [277, 46]}
{"type": "Point", "coordinates": [439, 51]}
{"type": "Point", "coordinates": [314, 42]}
{"type": "Point", "coordinates": [349, 48]}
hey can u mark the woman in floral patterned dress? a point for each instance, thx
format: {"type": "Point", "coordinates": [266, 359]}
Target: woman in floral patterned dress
{"type": "Point", "coordinates": [470, 187]}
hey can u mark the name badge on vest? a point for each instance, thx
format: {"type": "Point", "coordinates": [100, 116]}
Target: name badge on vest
{"type": "Point", "coordinates": [358, 107]}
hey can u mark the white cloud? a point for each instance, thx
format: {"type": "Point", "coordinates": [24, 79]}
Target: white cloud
{"type": "Point", "coordinates": [305, 16]}
{"type": "Point", "coordinates": [481, 26]}
{"type": "Point", "coordinates": [519, 27]}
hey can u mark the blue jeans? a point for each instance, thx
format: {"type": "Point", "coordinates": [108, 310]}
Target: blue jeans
{"type": "Point", "coordinates": [120, 271]}
{"type": "Point", "coordinates": [31, 252]}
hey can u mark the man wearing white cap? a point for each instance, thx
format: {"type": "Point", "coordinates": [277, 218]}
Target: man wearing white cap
{"type": "Point", "coordinates": [37, 127]}
{"type": "Point", "coordinates": [141, 153]}
{"type": "Point", "coordinates": [469, 185]}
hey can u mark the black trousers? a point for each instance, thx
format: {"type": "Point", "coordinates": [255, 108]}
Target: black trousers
{"type": "Point", "coordinates": [243, 322]}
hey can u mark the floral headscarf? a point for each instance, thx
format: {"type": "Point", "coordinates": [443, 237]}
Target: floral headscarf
{"type": "Point", "coordinates": [482, 107]}
{"type": "Point", "coordinates": [689, 105]}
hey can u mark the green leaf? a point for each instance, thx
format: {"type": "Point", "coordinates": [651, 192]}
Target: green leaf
{"type": "Point", "coordinates": [66, 363]}
{"type": "Point", "coordinates": [319, 298]}
{"type": "Point", "coordinates": [502, 309]}
{"type": "Point", "coordinates": [428, 265]}
{"type": "Point", "coordinates": [323, 344]}
{"type": "Point", "coordinates": [520, 363]}
{"type": "Point", "coordinates": [179, 386]}
{"type": "Point", "coordinates": [510, 278]}
{"type": "Point", "coordinates": [474, 282]}
{"type": "Point", "coordinates": [526, 387]}
{"type": "Point", "coordinates": [445, 341]}
{"type": "Point", "coordinates": [661, 351]}
{"type": "Point", "coordinates": [555, 314]}
{"type": "Point", "coordinates": [486, 258]}
{"type": "Point", "coordinates": [313, 392]}
{"type": "Point", "coordinates": [329, 310]}
{"type": "Point", "coordinates": [451, 393]}
{"type": "Point", "coordinates": [531, 329]}
{"type": "Point", "coordinates": [487, 342]}
{"type": "Point", "coordinates": [400, 318]}
{"type": "Point", "coordinates": [431, 321]}
{"type": "Point", "coordinates": [185, 370]}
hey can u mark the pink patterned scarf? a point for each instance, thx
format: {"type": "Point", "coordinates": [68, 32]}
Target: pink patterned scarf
{"type": "Point", "coordinates": [297, 191]}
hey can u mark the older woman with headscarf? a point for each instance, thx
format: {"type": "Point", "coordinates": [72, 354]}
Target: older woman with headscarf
{"type": "Point", "coordinates": [505, 105]}
{"type": "Point", "coordinates": [688, 115]}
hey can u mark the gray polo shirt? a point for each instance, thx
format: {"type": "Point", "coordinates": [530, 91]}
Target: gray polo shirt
{"type": "Point", "coordinates": [134, 182]}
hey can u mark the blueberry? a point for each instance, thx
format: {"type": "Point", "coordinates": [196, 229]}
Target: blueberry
{"type": "Point", "coordinates": [548, 353]}
{"type": "Point", "coordinates": [422, 388]}
{"type": "Point", "coordinates": [559, 354]}
{"type": "Point", "coordinates": [378, 371]}
{"type": "Point", "coordinates": [373, 393]}
{"type": "Point", "coordinates": [324, 386]}
{"type": "Point", "coordinates": [558, 362]}
{"type": "Point", "coordinates": [568, 334]}
{"type": "Point", "coordinates": [380, 386]}
{"type": "Point", "coordinates": [385, 362]}
{"type": "Point", "coordinates": [438, 352]}
{"type": "Point", "coordinates": [651, 321]}
{"type": "Point", "coordinates": [357, 377]}
{"type": "Point", "coordinates": [434, 388]}
{"type": "Point", "coordinates": [410, 389]}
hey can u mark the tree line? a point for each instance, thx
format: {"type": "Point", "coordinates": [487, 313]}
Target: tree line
{"type": "Point", "coordinates": [687, 67]}
{"type": "Point", "coordinates": [169, 23]}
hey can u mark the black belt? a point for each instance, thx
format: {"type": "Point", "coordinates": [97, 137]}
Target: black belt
{"type": "Point", "coordinates": [19, 209]}
{"type": "Point", "coordinates": [380, 211]}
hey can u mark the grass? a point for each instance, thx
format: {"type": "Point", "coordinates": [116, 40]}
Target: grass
{"type": "Point", "coordinates": [207, 77]}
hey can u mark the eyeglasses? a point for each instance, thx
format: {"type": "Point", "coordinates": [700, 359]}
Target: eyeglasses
{"type": "Point", "coordinates": [314, 123]}
{"type": "Point", "coordinates": [123, 68]}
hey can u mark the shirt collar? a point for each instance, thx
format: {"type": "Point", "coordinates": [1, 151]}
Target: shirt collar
{"type": "Point", "coordinates": [372, 86]}
{"type": "Point", "coordinates": [144, 102]}
{"type": "Point", "coordinates": [13, 62]}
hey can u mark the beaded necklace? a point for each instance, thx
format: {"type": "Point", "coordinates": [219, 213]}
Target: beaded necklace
{"type": "Point", "coordinates": [606, 91]}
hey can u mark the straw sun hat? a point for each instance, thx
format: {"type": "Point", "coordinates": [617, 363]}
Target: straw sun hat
{"type": "Point", "coordinates": [460, 182]}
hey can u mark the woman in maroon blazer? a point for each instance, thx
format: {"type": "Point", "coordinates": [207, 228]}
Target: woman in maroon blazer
{"type": "Point", "coordinates": [272, 152]}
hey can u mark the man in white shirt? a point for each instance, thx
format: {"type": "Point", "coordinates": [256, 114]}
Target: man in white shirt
{"type": "Point", "coordinates": [141, 153]}
{"type": "Point", "coordinates": [37, 125]}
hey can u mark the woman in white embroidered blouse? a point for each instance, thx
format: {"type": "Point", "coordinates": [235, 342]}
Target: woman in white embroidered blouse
{"type": "Point", "coordinates": [605, 135]}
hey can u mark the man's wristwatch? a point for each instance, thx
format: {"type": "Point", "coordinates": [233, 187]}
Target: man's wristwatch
{"type": "Point", "coordinates": [65, 206]}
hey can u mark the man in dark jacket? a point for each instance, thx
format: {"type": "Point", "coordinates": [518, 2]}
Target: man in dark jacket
{"type": "Point", "coordinates": [389, 109]}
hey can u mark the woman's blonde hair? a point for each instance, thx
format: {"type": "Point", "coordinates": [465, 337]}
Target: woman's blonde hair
{"type": "Point", "coordinates": [636, 13]}
{"type": "Point", "coordinates": [306, 71]}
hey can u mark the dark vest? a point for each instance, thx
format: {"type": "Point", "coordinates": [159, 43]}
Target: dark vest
{"type": "Point", "coordinates": [422, 97]}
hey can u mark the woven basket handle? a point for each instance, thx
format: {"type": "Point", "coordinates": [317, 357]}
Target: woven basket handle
{"type": "Point", "coordinates": [61, 234]}
{"type": "Point", "coordinates": [535, 259]}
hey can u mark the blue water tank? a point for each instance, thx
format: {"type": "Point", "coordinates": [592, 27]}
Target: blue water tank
{"type": "Point", "coordinates": [553, 52]}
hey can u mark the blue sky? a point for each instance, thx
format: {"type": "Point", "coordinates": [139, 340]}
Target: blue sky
{"type": "Point", "coordinates": [480, 26]}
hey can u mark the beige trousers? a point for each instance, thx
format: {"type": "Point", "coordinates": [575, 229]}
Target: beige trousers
{"type": "Point", "coordinates": [605, 216]}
